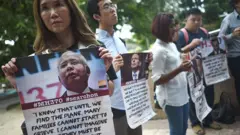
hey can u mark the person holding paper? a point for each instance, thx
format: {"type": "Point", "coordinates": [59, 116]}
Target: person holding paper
{"type": "Point", "coordinates": [61, 28]}
{"type": "Point", "coordinates": [73, 73]}
{"type": "Point", "coordinates": [60, 25]}
{"type": "Point", "coordinates": [169, 74]}
{"type": "Point", "coordinates": [230, 31]}
{"type": "Point", "coordinates": [190, 37]}
{"type": "Point", "coordinates": [104, 13]}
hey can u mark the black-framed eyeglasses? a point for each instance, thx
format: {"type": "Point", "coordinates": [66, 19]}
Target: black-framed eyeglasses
{"type": "Point", "coordinates": [108, 6]}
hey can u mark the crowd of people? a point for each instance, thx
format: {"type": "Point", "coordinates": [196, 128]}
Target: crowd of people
{"type": "Point", "coordinates": [61, 26]}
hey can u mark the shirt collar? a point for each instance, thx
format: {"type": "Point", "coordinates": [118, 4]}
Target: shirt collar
{"type": "Point", "coordinates": [158, 41]}
{"type": "Point", "coordinates": [135, 72]}
{"type": "Point", "coordinates": [102, 32]}
{"type": "Point", "coordinates": [236, 14]}
{"type": "Point", "coordinates": [71, 93]}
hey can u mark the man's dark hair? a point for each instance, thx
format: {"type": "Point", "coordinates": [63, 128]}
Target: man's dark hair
{"type": "Point", "coordinates": [232, 3]}
{"type": "Point", "coordinates": [92, 8]}
{"type": "Point", "coordinates": [193, 11]}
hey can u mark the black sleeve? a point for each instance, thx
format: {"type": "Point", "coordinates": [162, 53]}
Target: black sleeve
{"type": "Point", "coordinates": [123, 41]}
{"type": "Point", "coordinates": [111, 72]}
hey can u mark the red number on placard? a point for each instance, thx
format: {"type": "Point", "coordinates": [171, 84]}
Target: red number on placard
{"type": "Point", "coordinates": [59, 87]}
{"type": "Point", "coordinates": [40, 93]}
{"type": "Point", "coordinates": [21, 98]}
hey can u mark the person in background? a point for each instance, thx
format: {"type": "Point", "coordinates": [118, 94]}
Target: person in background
{"type": "Point", "coordinates": [104, 13]}
{"type": "Point", "coordinates": [169, 74]}
{"type": "Point", "coordinates": [189, 38]}
{"type": "Point", "coordinates": [61, 25]}
{"type": "Point", "coordinates": [230, 30]}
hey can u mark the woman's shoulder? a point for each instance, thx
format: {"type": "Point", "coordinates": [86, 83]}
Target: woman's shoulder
{"type": "Point", "coordinates": [159, 51]}
{"type": "Point", "coordinates": [159, 47]}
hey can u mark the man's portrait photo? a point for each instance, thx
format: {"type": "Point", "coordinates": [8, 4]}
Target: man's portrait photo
{"type": "Point", "coordinates": [216, 48]}
{"type": "Point", "coordinates": [49, 76]}
{"type": "Point", "coordinates": [134, 65]}
{"type": "Point", "coordinates": [73, 73]}
{"type": "Point", "coordinates": [197, 68]}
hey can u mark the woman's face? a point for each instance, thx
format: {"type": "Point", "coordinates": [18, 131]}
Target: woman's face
{"type": "Point", "coordinates": [172, 31]}
{"type": "Point", "coordinates": [175, 36]}
{"type": "Point", "coordinates": [55, 15]}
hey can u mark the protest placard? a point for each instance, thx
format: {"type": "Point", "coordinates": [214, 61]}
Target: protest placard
{"type": "Point", "coordinates": [135, 91]}
{"type": "Point", "coordinates": [65, 93]}
{"type": "Point", "coordinates": [214, 60]}
{"type": "Point", "coordinates": [196, 87]}
{"type": "Point", "coordinates": [202, 108]}
{"type": "Point", "coordinates": [196, 70]}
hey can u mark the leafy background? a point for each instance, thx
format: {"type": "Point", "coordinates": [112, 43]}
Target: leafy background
{"type": "Point", "coordinates": [17, 22]}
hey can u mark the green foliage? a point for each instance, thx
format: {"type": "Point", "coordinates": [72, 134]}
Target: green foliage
{"type": "Point", "coordinates": [17, 25]}
{"type": "Point", "coordinates": [17, 22]}
{"type": "Point", "coordinates": [212, 10]}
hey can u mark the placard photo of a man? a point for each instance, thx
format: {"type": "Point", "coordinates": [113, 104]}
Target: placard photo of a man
{"type": "Point", "coordinates": [136, 67]}
{"type": "Point", "coordinates": [196, 67]}
{"type": "Point", "coordinates": [73, 73]}
{"type": "Point", "coordinates": [49, 76]}
{"type": "Point", "coordinates": [216, 48]}
{"type": "Point", "coordinates": [133, 69]}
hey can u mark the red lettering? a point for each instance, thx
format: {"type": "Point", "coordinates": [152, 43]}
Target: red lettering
{"type": "Point", "coordinates": [21, 97]}
{"type": "Point", "coordinates": [59, 87]}
{"type": "Point", "coordinates": [40, 93]}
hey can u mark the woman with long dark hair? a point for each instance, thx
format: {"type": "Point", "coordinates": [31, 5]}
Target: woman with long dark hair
{"type": "Point", "coordinates": [61, 25]}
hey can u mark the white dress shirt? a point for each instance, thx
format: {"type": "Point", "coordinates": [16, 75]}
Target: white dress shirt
{"type": "Point", "coordinates": [166, 58]}
{"type": "Point", "coordinates": [135, 75]}
{"type": "Point", "coordinates": [115, 46]}
{"type": "Point", "coordinates": [71, 93]}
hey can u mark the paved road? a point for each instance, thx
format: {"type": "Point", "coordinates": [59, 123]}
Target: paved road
{"type": "Point", "coordinates": [160, 127]}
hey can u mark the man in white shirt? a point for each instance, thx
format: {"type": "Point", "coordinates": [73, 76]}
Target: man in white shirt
{"type": "Point", "coordinates": [73, 73]}
{"type": "Point", "coordinates": [105, 14]}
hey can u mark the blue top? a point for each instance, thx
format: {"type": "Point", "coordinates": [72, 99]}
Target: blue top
{"type": "Point", "coordinates": [229, 23]}
{"type": "Point", "coordinates": [115, 46]}
{"type": "Point", "coordinates": [181, 40]}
